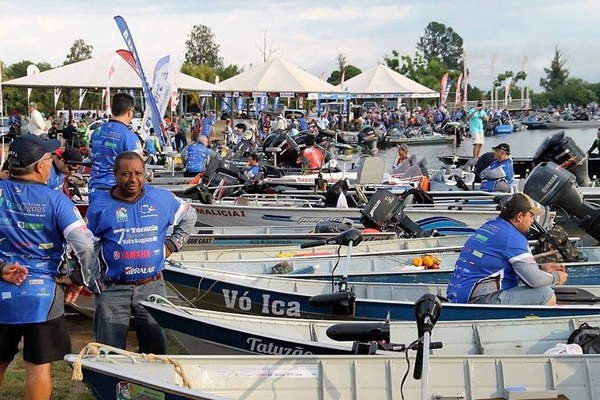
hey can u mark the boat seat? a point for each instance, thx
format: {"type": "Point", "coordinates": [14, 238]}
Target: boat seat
{"type": "Point", "coordinates": [370, 171]}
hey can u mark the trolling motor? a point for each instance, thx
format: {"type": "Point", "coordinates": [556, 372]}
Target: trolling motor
{"type": "Point", "coordinates": [367, 336]}
{"type": "Point", "coordinates": [343, 301]}
{"type": "Point", "coordinates": [550, 184]}
{"type": "Point", "coordinates": [563, 151]}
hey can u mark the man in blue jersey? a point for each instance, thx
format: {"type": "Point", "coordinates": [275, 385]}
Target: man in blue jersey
{"type": "Point", "coordinates": [499, 175]}
{"type": "Point", "coordinates": [497, 257]}
{"type": "Point", "coordinates": [109, 140]}
{"type": "Point", "coordinates": [131, 221]}
{"type": "Point", "coordinates": [37, 222]}
{"type": "Point", "coordinates": [65, 162]}
{"type": "Point", "coordinates": [196, 156]}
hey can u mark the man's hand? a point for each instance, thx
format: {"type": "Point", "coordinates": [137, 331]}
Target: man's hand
{"type": "Point", "coordinates": [14, 273]}
{"type": "Point", "coordinates": [71, 290]}
{"type": "Point", "coordinates": [562, 277]}
{"type": "Point", "coordinates": [553, 267]}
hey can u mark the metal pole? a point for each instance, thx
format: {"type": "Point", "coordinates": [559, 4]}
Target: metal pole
{"type": "Point", "coordinates": [425, 376]}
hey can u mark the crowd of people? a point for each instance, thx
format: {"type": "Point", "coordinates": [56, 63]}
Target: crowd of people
{"type": "Point", "coordinates": [49, 252]}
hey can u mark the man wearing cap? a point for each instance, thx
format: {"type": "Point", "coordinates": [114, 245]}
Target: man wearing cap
{"type": "Point", "coordinates": [499, 175]}
{"type": "Point", "coordinates": [65, 161]}
{"type": "Point", "coordinates": [132, 222]}
{"type": "Point", "coordinates": [37, 222]}
{"type": "Point", "coordinates": [37, 125]}
{"type": "Point", "coordinates": [477, 116]}
{"type": "Point", "coordinates": [109, 140]}
{"type": "Point", "coordinates": [497, 257]}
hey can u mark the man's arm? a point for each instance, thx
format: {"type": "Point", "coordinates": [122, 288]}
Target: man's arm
{"type": "Point", "coordinates": [185, 221]}
{"type": "Point", "coordinates": [533, 276]}
{"type": "Point", "coordinates": [493, 173]}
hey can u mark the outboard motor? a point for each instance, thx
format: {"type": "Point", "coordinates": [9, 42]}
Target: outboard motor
{"type": "Point", "coordinates": [384, 212]}
{"type": "Point", "coordinates": [563, 151]}
{"type": "Point", "coordinates": [550, 184]}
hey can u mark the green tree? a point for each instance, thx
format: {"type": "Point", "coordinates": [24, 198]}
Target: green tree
{"type": "Point", "coordinates": [228, 71]}
{"type": "Point", "coordinates": [201, 47]}
{"type": "Point", "coordinates": [557, 74]}
{"type": "Point", "coordinates": [336, 76]}
{"type": "Point", "coordinates": [79, 51]}
{"type": "Point", "coordinates": [442, 43]}
{"type": "Point", "coordinates": [573, 90]}
{"type": "Point", "coordinates": [393, 61]}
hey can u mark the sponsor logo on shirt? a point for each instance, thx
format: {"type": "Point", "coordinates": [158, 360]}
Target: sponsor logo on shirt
{"type": "Point", "coordinates": [139, 270]}
{"type": "Point", "coordinates": [147, 209]}
{"type": "Point", "coordinates": [122, 214]}
{"type": "Point", "coordinates": [132, 255]}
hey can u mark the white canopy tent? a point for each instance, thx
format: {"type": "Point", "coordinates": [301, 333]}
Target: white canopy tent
{"type": "Point", "coordinates": [383, 82]}
{"type": "Point", "coordinates": [279, 76]}
{"type": "Point", "coordinates": [93, 74]}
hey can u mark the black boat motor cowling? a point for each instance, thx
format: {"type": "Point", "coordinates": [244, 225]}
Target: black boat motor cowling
{"type": "Point", "coordinates": [563, 151]}
{"type": "Point", "coordinates": [550, 184]}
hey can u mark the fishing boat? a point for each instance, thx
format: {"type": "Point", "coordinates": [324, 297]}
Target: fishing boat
{"type": "Point", "coordinates": [205, 332]}
{"type": "Point", "coordinates": [574, 124]}
{"type": "Point", "coordinates": [226, 237]}
{"type": "Point", "coordinates": [383, 268]}
{"type": "Point", "coordinates": [469, 377]}
{"type": "Point", "coordinates": [281, 297]}
{"type": "Point", "coordinates": [434, 138]}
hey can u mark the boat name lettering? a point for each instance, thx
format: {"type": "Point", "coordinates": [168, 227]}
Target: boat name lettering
{"type": "Point", "coordinates": [199, 240]}
{"type": "Point", "coordinates": [223, 213]}
{"type": "Point", "coordinates": [549, 184]}
{"type": "Point", "coordinates": [268, 307]}
{"type": "Point", "coordinates": [279, 307]}
{"type": "Point", "coordinates": [257, 346]}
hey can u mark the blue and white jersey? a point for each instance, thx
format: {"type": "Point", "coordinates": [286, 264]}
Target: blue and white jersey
{"type": "Point", "coordinates": [107, 142]}
{"type": "Point", "coordinates": [488, 185]}
{"type": "Point", "coordinates": [196, 157]}
{"type": "Point", "coordinates": [488, 255]}
{"type": "Point", "coordinates": [55, 179]}
{"type": "Point", "coordinates": [132, 234]}
{"type": "Point", "coordinates": [207, 124]}
{"type": "Point", "coordinates": [34, 221]}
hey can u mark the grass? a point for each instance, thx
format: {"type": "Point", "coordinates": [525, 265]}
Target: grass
{"type": "Point", "coordinates": [63, 388]}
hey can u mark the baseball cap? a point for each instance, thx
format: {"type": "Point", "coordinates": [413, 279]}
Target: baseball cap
{"type": "Point", "coordinates": [29, 149]}
{"type": "Point", "coordinates": [480, 103]}
{"type": "Point", "coordinates": [247, 135]}
{"type": "Point", "coordinates": [520, 202]}
{"type": "Point", "coordinates": [502, 146]}
{"type": "Point", "coordinates": [70, 154]}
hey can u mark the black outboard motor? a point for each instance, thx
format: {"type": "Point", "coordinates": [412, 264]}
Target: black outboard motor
{"type": "Point", "coordinates": [549, 184]}
{"type": "Point", "coordinates": [384, 212]}
{"type": "Point", "coordinates": [563, 151]}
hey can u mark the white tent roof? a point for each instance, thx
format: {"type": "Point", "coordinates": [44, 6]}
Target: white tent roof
{"type": "Point", "coordinates": [93, 73]}
{"type": "Point", "coordinates": [277, 75]}
{"type": "Point", "coordinates": [381, 81]}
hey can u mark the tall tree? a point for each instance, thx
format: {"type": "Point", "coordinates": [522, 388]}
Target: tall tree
{"type": "Point", "coordinates": [442, 43]}
{"type": "Point", "coordinates": [557, 74]}
{"type": "Point", "coordinates": [79, 51]}
{"type": "Point", "coordinates": [264, 51]}
{"type": "Point", "coordinates": [201, 47]}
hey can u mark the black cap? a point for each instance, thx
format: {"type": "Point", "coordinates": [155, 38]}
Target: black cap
{"type": "Point", "coordinates": [70, 154]}
{"type": "Point", "coordinates": [503, 146]}
{"type": "Point", "coordinates": [480, 103]}
{"type": "Point", "coordinates": [520, 202]}
{"type": "Point", "coordinates": [29, 149]}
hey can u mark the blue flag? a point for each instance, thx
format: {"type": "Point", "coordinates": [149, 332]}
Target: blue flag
{"type": "Point", "coordinates": [156, 119]}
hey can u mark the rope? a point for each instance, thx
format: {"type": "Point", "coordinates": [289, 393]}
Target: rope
{"type": "Point", "coordinates": [95, 349]}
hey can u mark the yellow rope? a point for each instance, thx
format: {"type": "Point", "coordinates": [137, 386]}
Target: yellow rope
{"type": "Point", "coordinates": [93, 349]}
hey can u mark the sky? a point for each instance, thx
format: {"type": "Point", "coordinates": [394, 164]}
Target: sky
{"type": "Point", "coordinates": [498, 35]}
